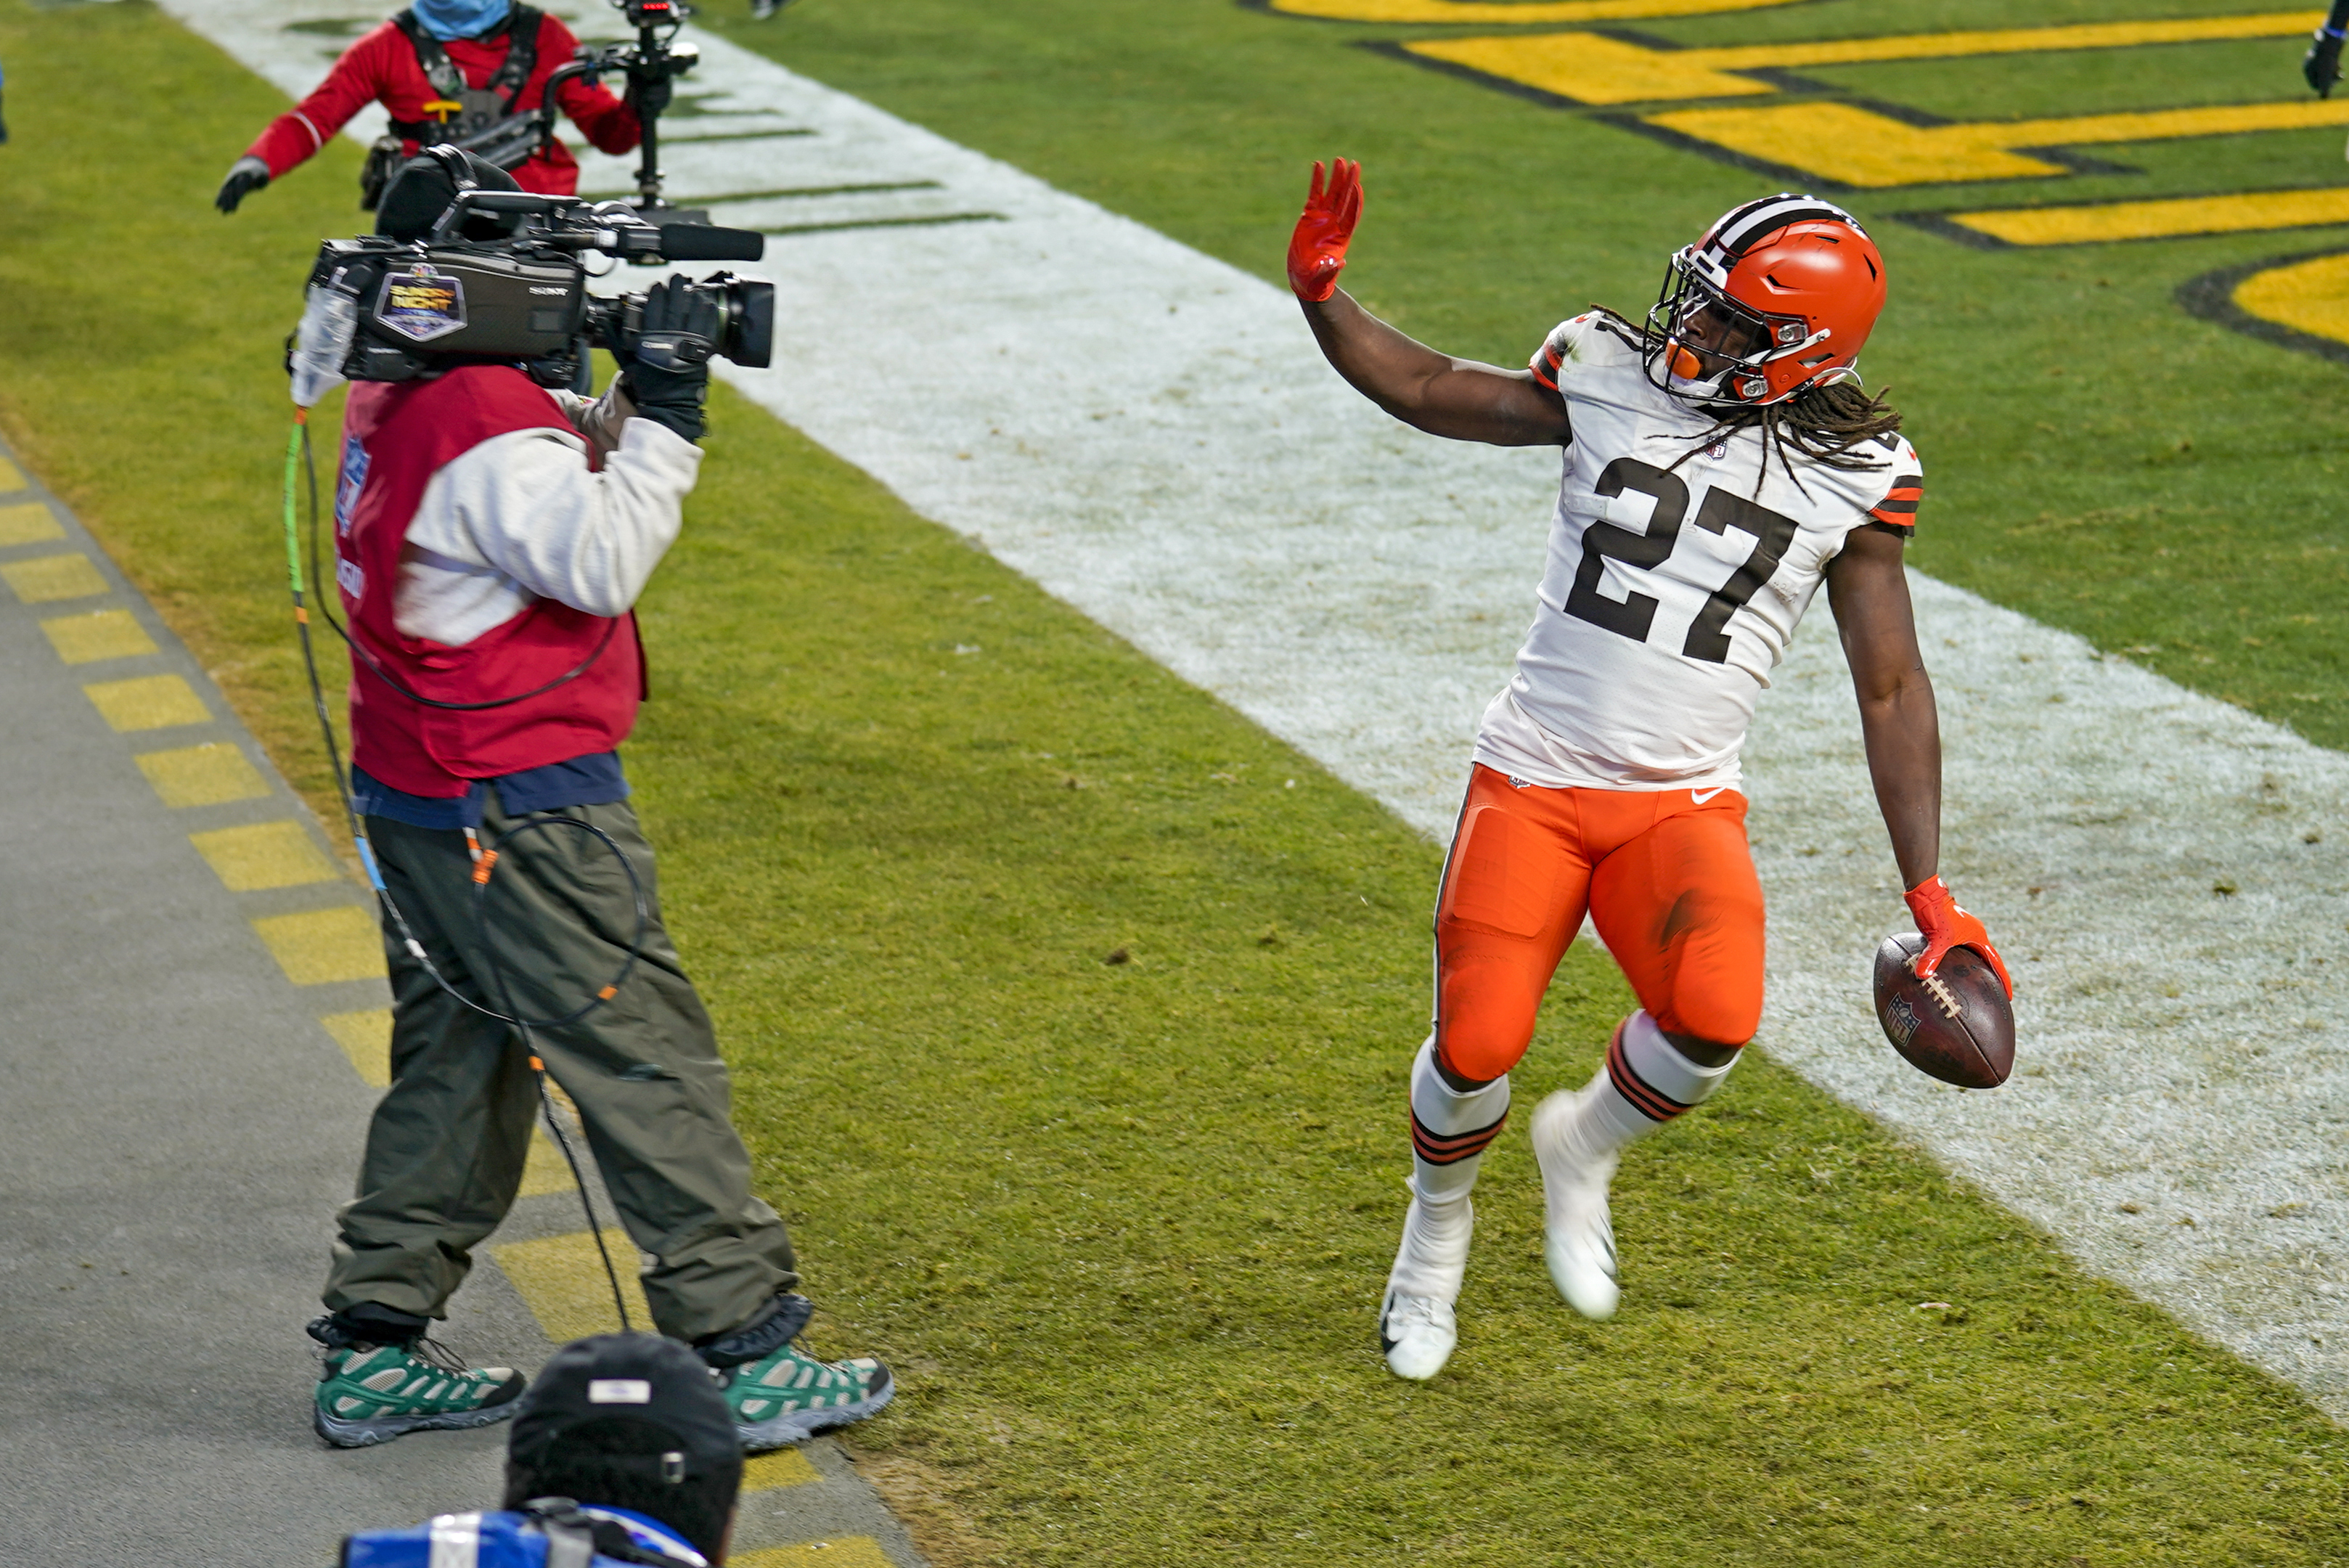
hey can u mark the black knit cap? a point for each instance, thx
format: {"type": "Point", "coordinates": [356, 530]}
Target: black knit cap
{"type": "Point", "coordinates": [636, 1377]}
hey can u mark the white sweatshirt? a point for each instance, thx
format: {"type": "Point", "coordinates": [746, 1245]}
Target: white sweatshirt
{"type": "Point", "coordinates": [522, 516]}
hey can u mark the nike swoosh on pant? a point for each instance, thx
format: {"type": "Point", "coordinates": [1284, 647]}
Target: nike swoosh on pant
{"type": "Point", "coordinates": [1698, 797]}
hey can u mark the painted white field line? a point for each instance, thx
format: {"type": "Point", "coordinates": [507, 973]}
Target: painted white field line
{"type": "Point", "coordinates": [1150, 435]}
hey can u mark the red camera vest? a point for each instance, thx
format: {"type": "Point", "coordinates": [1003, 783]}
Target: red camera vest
{"type": "Point", "coordinates": [396, 437]}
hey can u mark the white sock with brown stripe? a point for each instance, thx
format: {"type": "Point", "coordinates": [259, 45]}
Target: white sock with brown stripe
{"type": "Point", "coordinates": [1645, 1084]}
{"type": "Point", "coordinates": [1449, 1134]}
{"type": "Point", "coordinates": [1449, 1130]}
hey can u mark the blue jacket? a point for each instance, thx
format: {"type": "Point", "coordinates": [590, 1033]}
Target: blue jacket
{"type": "Point", "coordinates": [509, 1540]}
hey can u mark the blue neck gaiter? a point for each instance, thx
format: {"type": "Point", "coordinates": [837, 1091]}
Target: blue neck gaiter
{"type": "Point", "coordinates": [447, 19]}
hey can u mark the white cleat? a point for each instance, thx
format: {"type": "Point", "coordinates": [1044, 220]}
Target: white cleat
{"type": "Point", "coordinates": [1416, 1327]}
{"type": "Point", "coordinates": [1578, 1238]}
{"type": "Point", "coordinates": [1417, 1333]}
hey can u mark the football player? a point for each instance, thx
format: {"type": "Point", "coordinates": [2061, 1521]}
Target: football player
{"type": "Point", "coordinates": [1723, 461]}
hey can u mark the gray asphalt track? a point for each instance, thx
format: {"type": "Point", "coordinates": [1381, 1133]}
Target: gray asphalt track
{"type": "Point", "coordinates": [176, 1128]}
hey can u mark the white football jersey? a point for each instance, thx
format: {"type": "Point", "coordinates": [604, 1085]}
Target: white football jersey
{"type": "Point", "coordinates": [1674, 581]}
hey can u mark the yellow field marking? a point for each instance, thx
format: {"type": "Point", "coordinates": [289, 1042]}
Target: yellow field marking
{"type": "Point", "coordinates": [848, 1552]}
{"type": "Point", "coordinates": [2104, 222]}
{"type": "Point", "coordinates": [322, 946]}
{"type": "Point", "coordinates": [562, 1281]}
{"type": "Point", "coordinates": [101, 634]}
{"type": "Point", "coordinates": [545, 1170]}
{"type": "Point", "coordinates": [769, 1472]}
{"type": "Point", "coordinates": [27, 523]}
{"type": "Point", "coordinates": [264, 854]}
{"type": "Point", "coordinates": [53, 577]}
{"type": "Point", "coordinates": [1589, 68]}
{"type": "Point", "coordinates": [203, 776]}
{"type": "Point", "coordinates": [1475, 13]}
{"type": "Point", "coordinates": [11, 477]}
{"type": "Point", "coordinates": [366, 1038]}
{"type": "Point", "coordinates": [148, 702]}
{"type": "Point", "coordinates": [2311, 296]}
{"type": "Point", "coordinates": [1855, 147]}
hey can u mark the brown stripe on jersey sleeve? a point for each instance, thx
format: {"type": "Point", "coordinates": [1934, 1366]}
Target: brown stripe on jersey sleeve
{"type": "Point", "coordinates": [1899, 507]}
{"type": "Point", "coordinates": [1545, 366]}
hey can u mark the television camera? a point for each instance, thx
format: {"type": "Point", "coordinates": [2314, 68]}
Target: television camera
{"type": "Point", "coordinates": [501, 276]}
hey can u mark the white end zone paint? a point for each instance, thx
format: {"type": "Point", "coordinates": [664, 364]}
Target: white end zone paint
{"type": "Point", "coordinates": [1150, 435]}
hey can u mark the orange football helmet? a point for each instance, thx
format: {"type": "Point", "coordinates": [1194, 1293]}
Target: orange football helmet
{"type": "Point", "coordinates": [1779, 295]}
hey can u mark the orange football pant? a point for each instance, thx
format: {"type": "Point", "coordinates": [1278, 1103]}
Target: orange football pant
{"type": "Point", "coordinates": [1668, 881]}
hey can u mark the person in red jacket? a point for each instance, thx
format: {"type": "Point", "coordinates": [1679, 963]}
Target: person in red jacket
{"type": "Point", "coordinates": [480, 38]}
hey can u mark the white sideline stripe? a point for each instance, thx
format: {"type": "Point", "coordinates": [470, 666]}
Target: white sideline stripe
{"type": "Point", "coordinates": [1150, 435]}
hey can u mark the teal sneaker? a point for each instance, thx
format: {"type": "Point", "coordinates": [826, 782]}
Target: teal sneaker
{"type": "Point", "coordinates": [370, 1394]}
{"type": "Point", "coordinates": [788, 1395]}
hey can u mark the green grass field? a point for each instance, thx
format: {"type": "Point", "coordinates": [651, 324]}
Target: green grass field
{"type": "Point", "coordinates": [1121, 1226]}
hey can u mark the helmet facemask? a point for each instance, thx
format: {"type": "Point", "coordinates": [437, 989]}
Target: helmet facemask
{"type": "Point", "coordinates": [1705, 347]}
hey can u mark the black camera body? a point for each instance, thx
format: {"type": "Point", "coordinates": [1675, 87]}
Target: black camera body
{"type": "Point", "coordinates": [405, 309]}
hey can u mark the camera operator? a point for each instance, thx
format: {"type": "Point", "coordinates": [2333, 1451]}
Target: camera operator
{"type": "Point", "coordinates": [490, 538]}
{"type": "Point", "coordinates": [492, 59]}
{"type": "Point", "coordinates": [624, 1446]}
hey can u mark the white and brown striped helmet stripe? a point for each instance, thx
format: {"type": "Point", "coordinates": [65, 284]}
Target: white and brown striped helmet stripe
{"type": "Point", "coordinates": [1755, 221]}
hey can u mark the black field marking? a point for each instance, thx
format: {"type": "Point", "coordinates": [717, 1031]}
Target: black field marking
{"type": "Point", "coordinates": [799, 190]}
{"type": "Point", "coordinates": [1942, 220]}
{"type": "Point", "coordinates": [788, 230]}
{"type": "Point", "coordinates": [792, 191]}
{"type": "Point", "coordinates": [2211, 296]}
{"type": "Point", "coordinates": [735, 136]}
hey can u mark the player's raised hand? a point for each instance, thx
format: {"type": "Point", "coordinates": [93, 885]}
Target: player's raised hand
{"type": "Point", "coordinates": [1945, 925]}
{"type": "Point", "coordinates": [1316, 250]}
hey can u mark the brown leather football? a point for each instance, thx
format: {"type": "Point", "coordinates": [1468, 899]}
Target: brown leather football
{"type": "Point", "coordinates": [1958, 1027]}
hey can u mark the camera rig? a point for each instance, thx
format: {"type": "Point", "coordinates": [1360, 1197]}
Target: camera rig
{"type": "Point", "coordinates": [500, 277]}
{"type": "Point", "coordinates": [651, 64]}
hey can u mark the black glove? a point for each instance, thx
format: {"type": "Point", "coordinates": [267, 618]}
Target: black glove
{"type": "Point", "coordinates": [245, 176]}
{"type": "Point", "coordinates": [650, 98]}
{"type": "Point", "coordinates": [2322, 64]}
{"type": "Point", "coordinates": [669, 371]}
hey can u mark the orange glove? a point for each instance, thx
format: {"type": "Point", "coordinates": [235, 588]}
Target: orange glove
{"type": "Point", "coordinates": [1316, 251]}
{"type": "Point", "coordinates": [1945, 925]}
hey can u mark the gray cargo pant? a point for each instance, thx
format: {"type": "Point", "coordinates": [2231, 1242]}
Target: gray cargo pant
{"type": "Point", "coordinates": [444, 1155]}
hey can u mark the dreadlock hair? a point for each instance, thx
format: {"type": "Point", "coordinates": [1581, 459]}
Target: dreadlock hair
{"type": "Point", "coordinates": [1826, 422]}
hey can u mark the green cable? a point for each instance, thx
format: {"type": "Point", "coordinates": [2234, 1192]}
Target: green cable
{"type": "Point", "coordinates": [293, 463]}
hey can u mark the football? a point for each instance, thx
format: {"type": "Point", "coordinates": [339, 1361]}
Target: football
{"type": "Point", "coordinates": [1958, 1027]}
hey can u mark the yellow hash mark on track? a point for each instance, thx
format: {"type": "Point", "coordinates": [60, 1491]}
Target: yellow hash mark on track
{"type": "Point", "coordinates": [12, 478]}
{"type": "Point", "coordinates": [1854, 146]}
{"type": "Point", "coordinates": [562, 1281]}
{"type": "Point", "coordinates": [769, 1472]}
{"type": "Point", "coordinates": [1591, 69]}
{"type": "Point", "coordinates": [849, 1552]}
{"type": "Point", "coordinates": [264, 854]}
{"type": "Point", "coordinates": [366, 1038]}
{"type": "Point", "coordinates": [2102, 223]}
{"type": "Point", "coordinates": [203, 776]}
{"type": "Point", "coordinates": [49, 577]}
{"type": "Point", "coordinates": [148, 702]}
{"type": "Point", "coordinates": [27, 523]}
{"type": "Point", "coordinates": [100, 634]}
{"type": "Point", "coordinates": [320, 947]}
